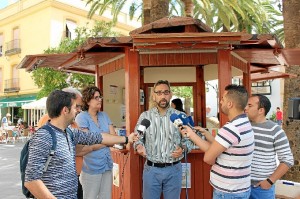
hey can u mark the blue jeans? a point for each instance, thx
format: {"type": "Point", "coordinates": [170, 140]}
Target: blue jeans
{"type": "Point", "coordinates": [166, 180]}
{"type": "Point", "coordinates": [224, 195]}
{"type": "Point", "coordinates": [259, 193]}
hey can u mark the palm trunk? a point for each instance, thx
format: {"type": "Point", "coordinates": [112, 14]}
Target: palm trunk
{"type": "Point", "coordinates": [146, 12]}
{"type": "Point", "coordinates": [291, 9]}
{"type": "Point", "coordinates": [159, 9]}
{"type": "Point", "coordinates": [188, 8]}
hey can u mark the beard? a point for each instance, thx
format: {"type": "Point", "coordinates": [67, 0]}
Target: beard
{"type": "Point", "coordinates": [163, 103]}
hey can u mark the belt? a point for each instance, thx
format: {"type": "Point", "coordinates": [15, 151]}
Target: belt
{"type": "Point", "coordinates": [149, 163]}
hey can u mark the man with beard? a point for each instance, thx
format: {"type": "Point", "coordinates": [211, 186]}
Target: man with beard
{"type": "Point", "coordinates": [270, 141]}
{"type": "Point", "coordinates": [162, 146]}
{"type": "Point", "coordinates": [230, 152]}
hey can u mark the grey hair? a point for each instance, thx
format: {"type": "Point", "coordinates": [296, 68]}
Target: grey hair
{"type": "Point", "coordinates": [72, 90]}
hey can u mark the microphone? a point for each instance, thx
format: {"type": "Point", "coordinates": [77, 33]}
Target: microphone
{"type": "Point", "coordinates": [185, 120]}
{"type": "Point", "coordinates": [178, 123]}
{"type": "Point", "coordinates": [141, 129]}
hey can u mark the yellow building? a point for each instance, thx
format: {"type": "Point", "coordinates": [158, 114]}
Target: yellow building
{"type": "Point", "coordinates": [30, 27]}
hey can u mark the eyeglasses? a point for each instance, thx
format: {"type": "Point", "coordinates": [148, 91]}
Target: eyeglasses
{"type": "Point", "coordinates": [78, 106]}
{"type": "Point", "coordinates": [98, 97]}
{"type": "Point", "coordinates": [159, 93]}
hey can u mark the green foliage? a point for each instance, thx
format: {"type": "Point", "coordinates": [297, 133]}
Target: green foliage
{"type": "Point", "coordinates": [273, 117]}
{"type": "Point", "coordinates": [49, 79]}
{"type": "Point", "coordinates": [183, 91]}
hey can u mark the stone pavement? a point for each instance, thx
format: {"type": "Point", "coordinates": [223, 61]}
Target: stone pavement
{"type": "Point", "coordinates": [10, 178]}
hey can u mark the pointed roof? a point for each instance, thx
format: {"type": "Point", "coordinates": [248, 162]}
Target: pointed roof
{"type": "Point", "coordinates": [173, 25]}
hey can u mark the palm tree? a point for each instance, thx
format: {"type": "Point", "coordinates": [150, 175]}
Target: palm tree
{"type": "Point", "coordinates": [291, 18]}
{"type": "Point", "coordinates": [219, 14]}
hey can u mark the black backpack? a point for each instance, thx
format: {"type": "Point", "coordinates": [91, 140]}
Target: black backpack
{"type": "Point", "coordinates": [24, 159]}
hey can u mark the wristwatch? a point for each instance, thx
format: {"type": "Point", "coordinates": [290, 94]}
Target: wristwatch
{"type": "Point", "coordinates": [270, 181]}
{"type": "Point", "coordinates": [126, 140]}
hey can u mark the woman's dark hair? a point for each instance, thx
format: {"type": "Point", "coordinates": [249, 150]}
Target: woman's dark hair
{"type": "Point", "coordinates": [88, 94]}
{"type": "Point", "coordinates": [178, 104]}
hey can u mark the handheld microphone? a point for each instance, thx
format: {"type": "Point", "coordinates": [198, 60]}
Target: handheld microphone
{"type": "Point", "coordinates": [145, 123]}
{"type": "Point", "coordinates": [185, 120]}
{"type": "Point", "coordinates": [176, 121]}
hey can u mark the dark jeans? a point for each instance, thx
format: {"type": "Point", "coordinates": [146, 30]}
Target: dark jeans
{"type": "Point", "coordinates": [79, 190]}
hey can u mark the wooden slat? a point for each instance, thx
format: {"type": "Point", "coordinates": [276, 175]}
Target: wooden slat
{"type": "Point", "coordinates": [177, 59]}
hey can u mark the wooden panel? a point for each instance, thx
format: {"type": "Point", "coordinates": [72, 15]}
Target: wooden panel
{"type": "Point", "coordinates": [112, 66]}
{"type": "Point", "coordinates": [200, 112]}
{"type": "Point", "coordinates": [224, 76]}
{"type": "Point", "coordinates": [132, 90]}
{"type": "Point", "coordinates": [178, 59]}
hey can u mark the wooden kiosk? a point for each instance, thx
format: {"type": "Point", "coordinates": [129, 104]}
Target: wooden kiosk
{"type": "Point", "coordinates": [182, 50]}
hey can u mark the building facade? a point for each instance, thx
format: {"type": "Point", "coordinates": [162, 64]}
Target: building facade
{"type": "Point", "coordinates": [30, 27]}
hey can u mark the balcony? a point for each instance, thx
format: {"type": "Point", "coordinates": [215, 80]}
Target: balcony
{"type": "Point", "coordinates": [13, 47]}
{"type": "Point", "coordinates": [12, 85]}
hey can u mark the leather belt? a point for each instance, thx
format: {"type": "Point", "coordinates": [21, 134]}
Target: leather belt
{"type": "Point", "coordinates": [161, 165]}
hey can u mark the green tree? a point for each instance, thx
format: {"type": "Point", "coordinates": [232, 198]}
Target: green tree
{"type": "Point", "coordinates": [252, 16]}
{"type": "Point", "coordinates": [49, 79]}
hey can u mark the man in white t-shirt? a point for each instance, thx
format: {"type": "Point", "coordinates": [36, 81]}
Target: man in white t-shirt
{"type": "Point", "coordinates": [5, 121]}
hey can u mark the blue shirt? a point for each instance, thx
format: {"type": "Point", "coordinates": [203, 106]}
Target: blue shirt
{"type": "Point", "coordinates": [99, 161]}
{"type": "Point", "coordinates": [60, 177]}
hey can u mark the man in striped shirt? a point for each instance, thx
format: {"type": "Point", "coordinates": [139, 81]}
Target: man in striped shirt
{"type": "Point", "coordinates": [162, 146]}
{"type": "Point", "coordinates": [270, 140]}
{"type": "Point", "coordinates": [230, 152]}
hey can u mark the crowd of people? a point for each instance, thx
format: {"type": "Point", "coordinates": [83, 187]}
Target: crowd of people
{"type": "Point", "coordinates": [82, 164]}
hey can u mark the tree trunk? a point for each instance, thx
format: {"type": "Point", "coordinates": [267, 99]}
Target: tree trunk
{"type": "Point", "coordinates": [291, 15]}
{"type": "Point", "coordinates": [159, 9]}
{"type": "Point", "coordinates": [146, 12]}
{"type": "Point", "coordinates": [188, 8]}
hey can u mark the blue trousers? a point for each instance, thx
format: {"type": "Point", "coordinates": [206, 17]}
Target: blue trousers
{"type": "Point", "coordinates": [224, 195]}
{"type": "Point", "coordinates": [259, 193]}
{"type": "Point", "coordinates": [166, 180]}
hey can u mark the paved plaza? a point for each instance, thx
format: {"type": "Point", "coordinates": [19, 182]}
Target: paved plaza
{"type": "Point", "coordinates": [10, 178]}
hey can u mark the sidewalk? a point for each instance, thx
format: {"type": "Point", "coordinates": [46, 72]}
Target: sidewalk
{"type": "Point", "coordinates": [10, 182]}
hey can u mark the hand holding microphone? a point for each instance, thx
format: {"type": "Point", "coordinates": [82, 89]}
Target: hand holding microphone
{"type": "Point", "coordinates": [141, 129]}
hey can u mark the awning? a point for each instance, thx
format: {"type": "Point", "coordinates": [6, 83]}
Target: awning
{"type": "Point", "coordinates": [37, 104]}
{"type": "Point", "coordinates": [16, 101]}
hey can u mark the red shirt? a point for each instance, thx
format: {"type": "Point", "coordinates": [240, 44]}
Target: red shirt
{"type": "Point", "coordinates": [278, 115]}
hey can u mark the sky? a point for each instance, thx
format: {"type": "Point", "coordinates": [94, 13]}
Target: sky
{"type": "Point", "coordinates": [3, 3]}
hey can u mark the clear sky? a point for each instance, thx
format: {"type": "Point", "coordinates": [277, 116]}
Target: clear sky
{"type": "Point", "coordinates": [3, 3]}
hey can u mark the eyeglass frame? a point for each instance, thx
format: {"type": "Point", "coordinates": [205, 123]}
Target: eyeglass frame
{"type": "Point", "coordinates": [99, 97]}
{"type": "Point", "coordinates": [159, 93]}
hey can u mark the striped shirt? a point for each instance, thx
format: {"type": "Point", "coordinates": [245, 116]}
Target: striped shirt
{"type": "Point", "coordinates": [60, 177]}
{"type": "Point", "coordinates": [270, 140]}
{"type": "Point", "coordinates": [162, 137]}
{"type": "Point", "coordinates": [231, 172]}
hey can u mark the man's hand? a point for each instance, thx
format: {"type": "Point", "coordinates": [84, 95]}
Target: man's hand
{"type": "Point", "coordinates": [178, 152]}
{"type": "Point", "coordinates": [140, 149]}
{"type": "Point", "coordinates": [264, 184]}
{"type": "Point", "coordinates": [132, 137]}
{"type": "Point", "coordinates": [186, 131]}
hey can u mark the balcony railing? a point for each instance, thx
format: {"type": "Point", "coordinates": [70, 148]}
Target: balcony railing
{"type": "Point", "coordinates": [12, 85]}
{"type": "Point", "coordinates": [13, 47]}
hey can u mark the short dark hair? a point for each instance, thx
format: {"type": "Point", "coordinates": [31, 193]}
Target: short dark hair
{"type": "Point", "coordinates": [238, 94]}
{"type": "Point", "coordinates": [263, 102]}
{"type": "Point", "coordinates": [159, 82]}
{"type": "Point", "coordinates": [178, 104]}
{"type": "Point", "coordinates": [57, 100]}
{"type": "Point", "coordinates": [88, 94]}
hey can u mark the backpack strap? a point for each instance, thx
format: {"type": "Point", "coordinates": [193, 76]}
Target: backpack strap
{"type": "Point", "coordinates": [53, 148]}
{"type": "Point", "coordinates": [70, 132]}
